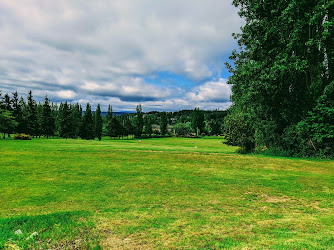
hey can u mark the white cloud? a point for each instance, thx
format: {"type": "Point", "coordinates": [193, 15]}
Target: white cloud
{"type": "Point", "coordinates": [66, 94]}
{"type": "Point", "coordinates": [213, 91]}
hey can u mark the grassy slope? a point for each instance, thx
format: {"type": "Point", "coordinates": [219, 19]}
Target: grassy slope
{"type": "Point", "coordinates": [161, 193]}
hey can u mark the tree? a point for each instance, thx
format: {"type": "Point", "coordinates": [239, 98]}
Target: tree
{"type": "Point", "coordinates": [109, 118]}
{"type": "Point", "coordinates": [182, 129]}
{"type": "Point", "coordinates": [7, 122]}
{"type": "Point", "coordinates": [148, 125]}
{"type": "Point", "coordinates": [87, 124]}
{"type": "Point", "coordinates": [76, 120]}
{"type": "Point", "coordinates": [318, 126]}
{"type": "Point", "coordinates": [284, 63]}
{"type": "Point", "coordinates": [31, 116]}
{"type": "Point", "coordinates": [98, 123]}
{"type": "Point", "coordinates": [238, 131]}
{"type": "Point", "coordinates": [197, 120]}
{"type": "Point", "coordinates": [48, 121]}
{"type": "Point", "coordinates": [66, 127]}
{"type": "Point", "coordinates": [163, 123]}
{"type": "Point", "coordinates": [18, 106]}
{"type": "Point", "coordinates": [139, 122]}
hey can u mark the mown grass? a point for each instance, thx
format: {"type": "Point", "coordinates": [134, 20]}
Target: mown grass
{"type": "Point", "coordinates": [161, 193]}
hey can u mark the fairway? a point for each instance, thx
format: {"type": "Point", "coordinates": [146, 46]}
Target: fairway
{"type": "Point", "coordinates": [160, 193]}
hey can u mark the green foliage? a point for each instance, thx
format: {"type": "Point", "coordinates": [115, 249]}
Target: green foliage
{"type": "Point", "coordinates": [98, 123]}
{"type": "Point", "coordinates": [238, 131]}
{"type": "Point", "coordinates": [23, 137]}
{"type": "Point", "coordinates": [48, 120]}
{"type": "Point", "coordinates": [318, 126]}
{"type": "Point", "coordinates": [31, 116]}
{"type": "Point", "coordinates": [7, 122]}
{"type": "Point", "coordinates": [183, 129]}
{"type": "Point", "coordinates": [139, 121]}
{"type": "Point", "coordinates": [285, 62]}
{"type": "Point", "coordinates": [87, 126]}
{"type": "Point", "coordinates": [163, 123]}
{"type": "Point", "coordinates": [66, 126]}
{"type": "Point", "coordinates": [197, 120]}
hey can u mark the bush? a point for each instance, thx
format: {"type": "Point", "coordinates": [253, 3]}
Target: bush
{"type": "Point", "coordinates": [22, 137]}
{"type": "Point", "coordinates": [239, 132]}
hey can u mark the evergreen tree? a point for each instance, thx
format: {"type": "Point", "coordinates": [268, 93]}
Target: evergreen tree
{"type": "Point", "coordinates": [109, 118]}
{"type": "Point", "coordinates": [163, 123]}
{"type": "Point", "coordinates": [87, 124]}
{"type": "Point", "coordinates": [76, 120]}
{"type": "Point", "coordinates": [48, 120]}
{"type": "Point", "coordinates": [18, 113]}
{"type": "Point", "coordinates": [66, 127]}
{"type": "Point", "coordinates": [98, 123]}
{"type": "Point", "coordinates": [31, 116]}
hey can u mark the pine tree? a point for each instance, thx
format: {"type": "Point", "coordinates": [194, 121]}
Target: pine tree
{"type": "Point", "coordinates": [109, 118]}
{"type": "Point", "coordinates": [88, 124]}
{"type": "Point", "coordinates": [18, 113]}
{"type": "Point", "coordinates": [48, 120]}
{"type": "Point", "coordinates": [66, 122]}
{"type": "Point", "coordinates": [31, 116]}
{"type": "Point", "coordinates": [76, 118]}
{"type": "Point", "coordinates": [98, 123]}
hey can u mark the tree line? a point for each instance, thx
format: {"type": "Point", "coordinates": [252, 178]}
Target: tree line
{"type": "Point", "coordinates": [282, 78]}
{"type": "Point", "coordinates": [68, 120]}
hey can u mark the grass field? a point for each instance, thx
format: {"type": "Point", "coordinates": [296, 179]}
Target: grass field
{"type": "Point", "coordinates": [160, 193]}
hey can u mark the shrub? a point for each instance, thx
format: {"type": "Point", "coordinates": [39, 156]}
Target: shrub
{"type": "Point", "coordinates": [22, 137]}
{"type": "Point", "coordinates": [239, 132]}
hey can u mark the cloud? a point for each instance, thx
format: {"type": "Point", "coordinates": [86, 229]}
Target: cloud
{"type": "Point", "coordinates": [213, 91]}
{"type": "Point", "coordinates": [83, 49]}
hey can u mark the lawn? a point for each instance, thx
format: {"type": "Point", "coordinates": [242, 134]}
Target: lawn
{"type": "Point", "coordinates": [160, 193]}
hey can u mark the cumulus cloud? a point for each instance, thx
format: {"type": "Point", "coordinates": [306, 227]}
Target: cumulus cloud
{"type": "Point", "coordinates": [81, 49]}
{"type": "Point", "coordinates": [213, 91]}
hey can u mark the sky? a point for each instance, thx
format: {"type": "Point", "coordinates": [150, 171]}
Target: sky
{"type": "Point", "coordinates": [167, 55]}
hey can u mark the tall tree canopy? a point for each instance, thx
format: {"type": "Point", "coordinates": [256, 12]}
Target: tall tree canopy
{"type": "Point", "coordinates": [285, 62]}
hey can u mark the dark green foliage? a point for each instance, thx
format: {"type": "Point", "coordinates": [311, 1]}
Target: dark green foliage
{"type": "Point", "coordinates": [109, 124]}
{"type": "Point", "coordinates": [148, 125]}
{"type": "Point", "coordinates": [7, 122]}
{"type": "Point", "coordinates": [18, 106]}
{"type": "Point", "coordinates": [31, 116]}
{"type": "Point", "coordinates": [284, 64]}
{"type": "Point", "coordinates": [76, 120]}
{"type": "Point", "coordinates": [139, 122]}
{"type": "Point", "coordinates": [238, 131]}
{"type": "Point", "coordinates": [87, 126]}
{"type": "Point", "coordinates": [48, 121]}
{"type": "Point", "coordinates": [318, 127]}
{"type": "Point", "coordinates": [163, 123]}
{"type": "Point", "coordinates": [183, 129]}
{"type": "Point", "coordinates": [197, 120]}
{"type": "Point", "coordinates": [66, 127]}
{"type": "Point", "coordinates": [98, 123]}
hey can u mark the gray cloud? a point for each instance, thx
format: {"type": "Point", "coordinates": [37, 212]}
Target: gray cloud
{"type": "Point", "coordinates": [83, 49]}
